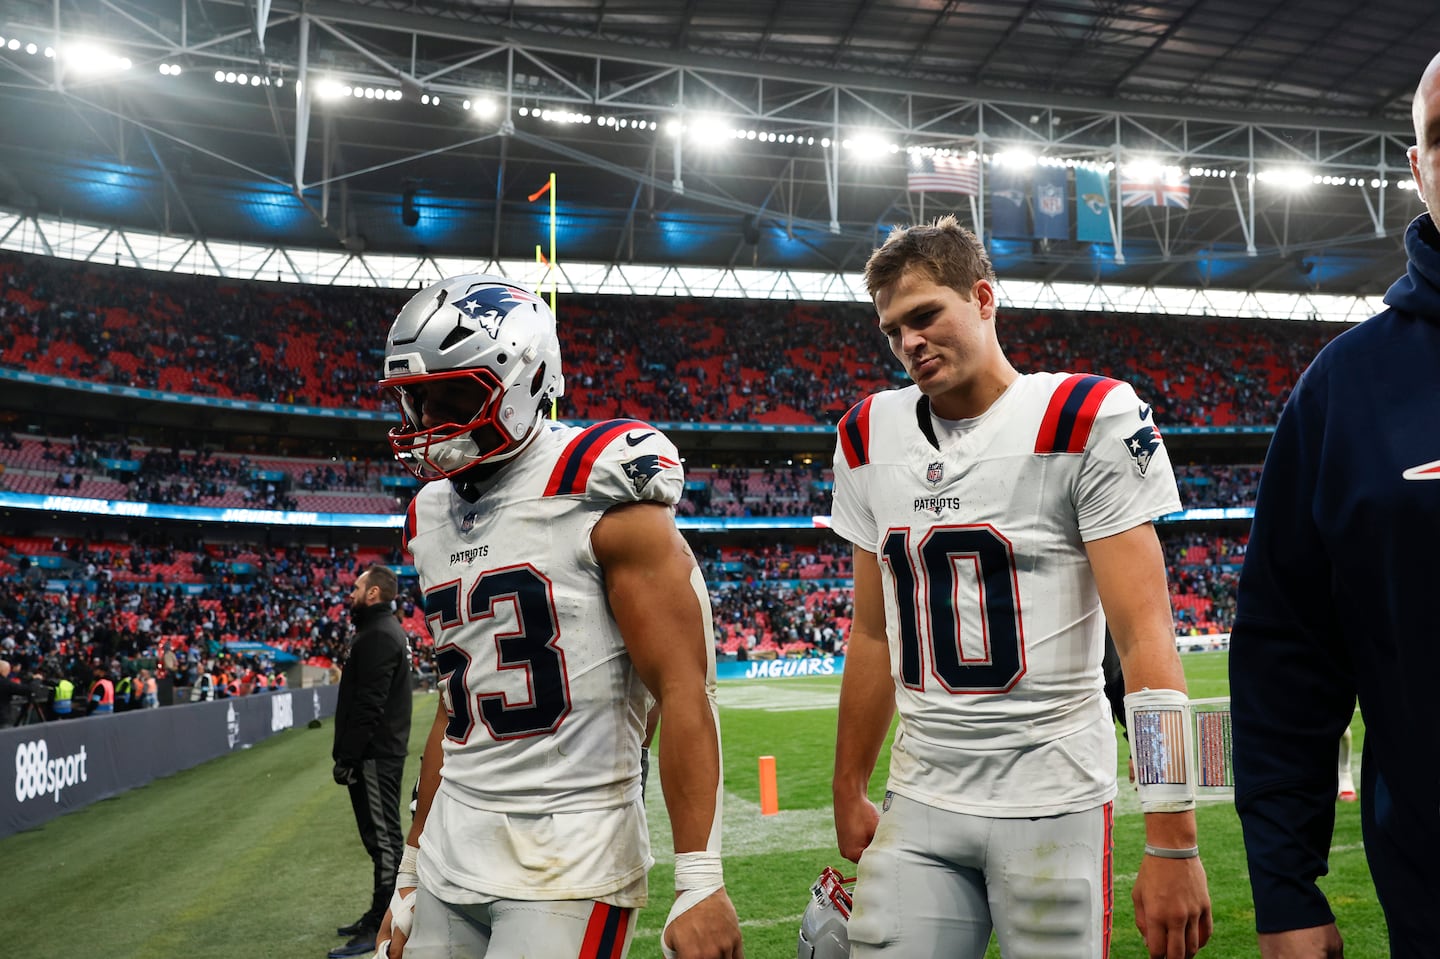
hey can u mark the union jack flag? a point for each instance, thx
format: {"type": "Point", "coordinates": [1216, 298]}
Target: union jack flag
{"type": "Point", "coordinates": [942, 175]}
{"type": "Point", "coordinates": [1155, 190]}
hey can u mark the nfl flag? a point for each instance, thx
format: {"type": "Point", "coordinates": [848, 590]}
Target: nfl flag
{"type": "Point", "coordinates": [1155, 190]}
{"type": "Point", "coordinates": [942, 175]}
{"type": "Point", "coordinates": [1092, 206]}
{"type": "Point", "coordinates": [1052, 213]}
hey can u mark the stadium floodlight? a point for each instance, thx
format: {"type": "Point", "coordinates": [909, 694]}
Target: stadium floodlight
{"type": "Point", "coordinates": [86, 58]}
{"type": "Point", "coordinates": [49, 53]}
{"type": "Point", "coordinates": [1150, 170]}
{"type": "Point", "coordinates": [331, 89]}
{"type": "Point", "coordinates": [1019, 159]}
{"type": "Point", "coordinates": [1289, 177]}
{"type": "Point", "coordinates": [707, 130]}
{"type": "Point", "coordinates": [31, 49]}
{"type": "Point", "coordinates": [868, 145]}
{"type": "Point", "coordinates": [13, 44]}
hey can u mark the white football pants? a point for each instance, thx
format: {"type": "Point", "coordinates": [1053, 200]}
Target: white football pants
{"type": "Point", "coordinates": [518, 929]}
{"type": "Point", "coordinates": [933, 884]}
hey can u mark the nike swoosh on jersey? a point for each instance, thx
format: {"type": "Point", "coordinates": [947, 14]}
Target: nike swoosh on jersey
{"type": "Point", "coordinates": [1425, 471]}
{"type": "Point", "coordinates": [632, 440]}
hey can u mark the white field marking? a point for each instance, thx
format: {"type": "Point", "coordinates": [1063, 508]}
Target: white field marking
{"type": "Point", "coordinates": [778, 696]}
{"type": "Point", "coordinates": [745, 831]}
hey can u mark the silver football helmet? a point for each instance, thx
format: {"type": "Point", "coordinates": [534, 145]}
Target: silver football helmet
{"type": "Point", "coordinates": [482, 338]}
{"type": "Point", "coordinates": [824, 927]}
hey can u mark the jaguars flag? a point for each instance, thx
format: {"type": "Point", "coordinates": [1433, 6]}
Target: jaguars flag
{"type": "Point", "coordinates": [1052, 213]}
{"type": "Point", "coordinates": [1092, 206]}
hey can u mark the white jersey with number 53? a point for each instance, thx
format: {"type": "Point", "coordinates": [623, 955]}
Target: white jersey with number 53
{"type": "Point", "coordinates": [546, 712]}
{"type": "Point", "coordinates": [540, 786]}
{"type": "Point", "coordinates": [994, 623]}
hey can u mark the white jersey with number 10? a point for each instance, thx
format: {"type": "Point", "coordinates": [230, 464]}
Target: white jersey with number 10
{"type": "Point", "coordinates": [993, 620]}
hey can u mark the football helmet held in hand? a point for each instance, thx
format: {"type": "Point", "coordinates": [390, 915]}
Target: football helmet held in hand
{"type": "Point", "coordinates": [824, 927]}
{"type": "Point", "coordinates": [474, 361]}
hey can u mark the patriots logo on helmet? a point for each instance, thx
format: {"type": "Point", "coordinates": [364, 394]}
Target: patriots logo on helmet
{"type": "Point", "coordinates": [1142, 445]}
{"type": "Point", "coordinates": [488, 306]}
{"type": "Point", "coordinates": [642, 469]}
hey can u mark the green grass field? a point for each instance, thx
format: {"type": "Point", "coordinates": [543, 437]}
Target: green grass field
{"type": "Point", "coordinates": [256, 853]}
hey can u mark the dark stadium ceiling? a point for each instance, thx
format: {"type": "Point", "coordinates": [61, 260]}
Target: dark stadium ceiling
{"type": "Point", "coordinates": [1237, 87]}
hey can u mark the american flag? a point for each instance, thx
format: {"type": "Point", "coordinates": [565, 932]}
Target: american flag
{"type": "Point", "coordinates": [943, 175]}
{"type": "Point", "coordinates": [1155, 190]}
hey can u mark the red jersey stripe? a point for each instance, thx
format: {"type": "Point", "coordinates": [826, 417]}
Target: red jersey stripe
{"type": "Point", "coordinates": [572, 469]}
{"type": "Point", "coordinates": [855, 434]}
{"type": "Point", "coordinates": [1071, 413]}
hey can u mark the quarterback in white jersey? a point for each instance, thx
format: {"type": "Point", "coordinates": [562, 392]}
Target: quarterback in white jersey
{"type": "Point", "coordinates": [561, 599]}
{"type": "Point", "coordinates": [992, 617]}
{"type": "Point", "coordinates": [998, 521]}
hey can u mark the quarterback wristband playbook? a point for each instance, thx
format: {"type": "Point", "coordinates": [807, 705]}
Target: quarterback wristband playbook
{"type": "Point", "coordinates": [1162, 743]}
{"type": "Point", "coordinates": [698, 875]}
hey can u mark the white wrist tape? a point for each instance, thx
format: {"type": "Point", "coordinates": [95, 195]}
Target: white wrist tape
{"type": "Point", "coordinates": [407, 876]}
{"type": "Point", "coordinates": [1162, 743]}
{"type": "Point", "coordinates": [698, 876]}
{"type": "Point", "coordinates": [402, 907]}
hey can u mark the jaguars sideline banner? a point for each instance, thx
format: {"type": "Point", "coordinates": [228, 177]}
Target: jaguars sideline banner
{"type": "Point", "coordinates": [68, 764]}
{"type": "Point", "coordinates": [781, 668]}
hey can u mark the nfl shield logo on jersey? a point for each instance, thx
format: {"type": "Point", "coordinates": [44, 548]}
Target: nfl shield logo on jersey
{"type": "Point", "coordinates": [934, 473]}
{"type": "Point", "coordinates": [468, 523]}
{"type": "Point", "coordinates": [1142, 445]}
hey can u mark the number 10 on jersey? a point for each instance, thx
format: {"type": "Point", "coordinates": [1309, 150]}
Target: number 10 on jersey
{"type": "Point", "coordinates": [950, 570]}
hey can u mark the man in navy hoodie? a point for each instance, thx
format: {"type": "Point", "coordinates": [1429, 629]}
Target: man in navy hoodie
{"type": "Point", "coordinates": [1337, 601]}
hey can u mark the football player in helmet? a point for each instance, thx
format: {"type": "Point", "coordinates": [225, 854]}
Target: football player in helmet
{"type": "Point", "coordinates": [998, 521]}
{"type": "Point", "coordinates": [823, 933]}
{"type": "Point", "coordinates": [561, 598]}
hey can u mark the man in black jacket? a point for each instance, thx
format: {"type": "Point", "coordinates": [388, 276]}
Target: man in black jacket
{"type": "Point", "coordinates": [372, 737]}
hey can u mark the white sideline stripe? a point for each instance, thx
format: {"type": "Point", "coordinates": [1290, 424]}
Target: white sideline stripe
{"type": "Point", "coordinates": [745, 831]}
{"type": "Point", "coordinates": [778, 696]}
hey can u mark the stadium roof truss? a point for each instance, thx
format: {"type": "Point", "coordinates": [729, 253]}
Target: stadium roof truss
{"type": "Point", "coordinates": [322, 126]}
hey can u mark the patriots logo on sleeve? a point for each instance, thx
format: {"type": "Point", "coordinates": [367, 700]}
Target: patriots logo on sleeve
{"type": "Point", "coordinates": [642, 469]}
{"type": "Point", "coordinates": [1142, 445]}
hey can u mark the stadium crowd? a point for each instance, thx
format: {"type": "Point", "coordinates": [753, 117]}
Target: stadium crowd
{"type": "Point", "coordinates": [70, 609]}
{"type": "Point", "coordinates": [204, 477]}
{"type": "Point", "coordinates": [662, 359]}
